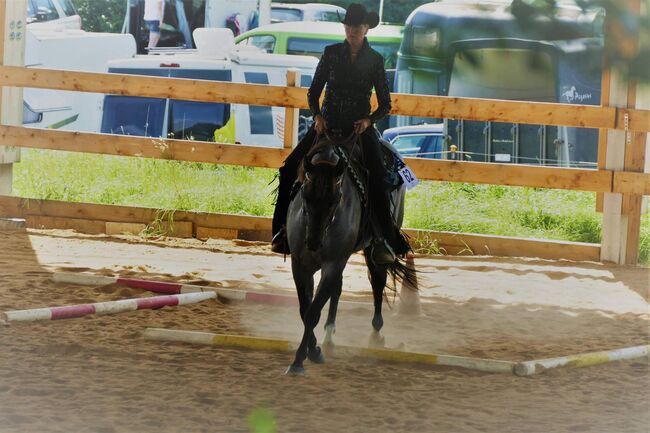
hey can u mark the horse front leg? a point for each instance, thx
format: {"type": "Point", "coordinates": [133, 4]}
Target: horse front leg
{"type": "Point", "coordinates": [378, 276]}
{"type": "Point", "coordinates": [312, 316]}
{"type": "Point", "coordinates": [304, 281]}
{"type": "Point", "coordinates": [330, 323]}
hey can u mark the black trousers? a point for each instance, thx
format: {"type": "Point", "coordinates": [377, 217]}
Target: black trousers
{"type": "Point", "coordinates": [377, 191]}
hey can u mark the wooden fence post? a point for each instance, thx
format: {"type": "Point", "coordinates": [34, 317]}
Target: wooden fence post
{"type": "Point", "coordinates": [291, 119]}
{"type": "Point", "coordinates": [624, 150]}
{"type": "Point", "coordinates": [13, 14]}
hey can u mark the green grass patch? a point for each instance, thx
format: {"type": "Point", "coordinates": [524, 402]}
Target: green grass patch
{"type": "Point", "coordinates": [488, 209]}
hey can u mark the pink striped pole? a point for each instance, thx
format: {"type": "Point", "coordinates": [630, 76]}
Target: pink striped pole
{"type": "Point", "coordinates": [111, 307]}
{"type": "Point", "coordinates": [168, 288]}
{"type": "Point", "coordinates": [171, 287]}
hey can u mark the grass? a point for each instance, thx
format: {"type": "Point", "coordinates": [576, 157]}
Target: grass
{"type": "Point", "coordinates": [487, 209]}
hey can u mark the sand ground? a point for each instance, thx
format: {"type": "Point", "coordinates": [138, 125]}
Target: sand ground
{"type": "Point", "coordinates": [97, 374]}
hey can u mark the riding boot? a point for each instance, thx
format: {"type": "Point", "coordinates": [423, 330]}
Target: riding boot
{"type": "Point", "coordinates": [391, 242]}
{"type": "Point", "coordinates": [287, 177]}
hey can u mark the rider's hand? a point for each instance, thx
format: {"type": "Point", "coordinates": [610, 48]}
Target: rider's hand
{"type": "Point", "coordinates": [320, 125]}
{"type": "Point", "coordinates": [361, 125]}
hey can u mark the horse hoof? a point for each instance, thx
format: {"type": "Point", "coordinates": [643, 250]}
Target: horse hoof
{"type": "Point", "coordinates": [376, 341]}
{"type": "Point", "coordinates": [316, 356]}
{"type": "Point", "coordinates": [295, 370]}
{"type": "Point", "coordinates": [328, 348]}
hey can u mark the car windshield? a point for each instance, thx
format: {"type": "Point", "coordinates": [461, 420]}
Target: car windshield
{"type": "Point", "coordinates": [330, 16]}
{"type": "Point", "coordinates": [279, 15]}
{"type": "Point", "coordinates": [409, 145]}
{"type": "Point", "coordinates": [423, 145]}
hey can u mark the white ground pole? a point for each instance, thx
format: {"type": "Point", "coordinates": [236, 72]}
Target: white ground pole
{"type": "Point", "coordinates": [210, 339]}
{"type": "Point", "coordinates": [529, 368]}
{"type": "Point", "coordinates": [111, 307]}
{"type": "Point", "coordinates": [174, 288]}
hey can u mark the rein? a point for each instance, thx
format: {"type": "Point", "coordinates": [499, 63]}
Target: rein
{"type": "Point", "coordinates": [339, 149]}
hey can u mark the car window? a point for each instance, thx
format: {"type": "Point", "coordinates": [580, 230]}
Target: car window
{"type": "Point", "coordinates": [68, 8]}
{"type": "Point", "coordinates": [432, 148]}
{"type": "Point", "coordinates": [388, 51]}
{"type": "Point", "coordinates": [409, 145]}
{"type": "Point", "coordinates": [133, 115]}
{"type": "Point", "coordinates": [263, 42]}
{"type": "Point", "coordinates": [308, 47]}
{"type": "Point", "coordinates": [190, 120]}
{"type": "Point", "coordinates": [45, 10]}
{"type": "Point", "coordinates": [330, 16]}
{"type": "Point", "coordinates": [261, 117]}
{"type": "Point", "coordinates": [305, 80]}
{"type": "Point", "coordinates": [285, 14]}
{"type": "Point", "coordinates": [31, 12]}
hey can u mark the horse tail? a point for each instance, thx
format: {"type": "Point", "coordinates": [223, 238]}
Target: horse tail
{"type": "Point", "coordinates": [401, 271]}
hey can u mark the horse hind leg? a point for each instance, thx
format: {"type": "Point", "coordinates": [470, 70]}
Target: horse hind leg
{"type": "Point", "coordinates": [378, 275]}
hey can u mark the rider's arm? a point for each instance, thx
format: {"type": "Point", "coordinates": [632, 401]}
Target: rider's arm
{"type": "Point", "coordinates": [318, 83]}
{"type": "Point", "coordinates": [380, 83]}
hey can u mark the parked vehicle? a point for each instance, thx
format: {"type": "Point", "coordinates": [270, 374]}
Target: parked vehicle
{"type": "Point", "coordinates": [303, 38]}
{"type": "Point", "coordinates": [471, 48]}
{"type": "Point", "coordinates": [56, 47]}
{"type": "Point", "coordinates": [311, 39]}
{"type": "Point", "coordinates": [283, 12]}
{"type": "Point", "coordinates": [182, 17]}
{"type": "Point", "coordinates": [418, 141]}
{"type": "Point", "coordinates": [52, 12]}
{"type": "Point", "coordinates": [214, 59]}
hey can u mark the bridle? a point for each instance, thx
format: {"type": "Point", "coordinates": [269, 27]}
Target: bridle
{"type": "Point", "coordinates": [338, 145]}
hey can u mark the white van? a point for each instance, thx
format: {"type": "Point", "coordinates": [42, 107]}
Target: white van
{"type": "Point", "coordinates": [42, 13]}
{"type": "Point", "coordinates": [57, 47]}
{"type": "Point", "coordinates": [214, 59]}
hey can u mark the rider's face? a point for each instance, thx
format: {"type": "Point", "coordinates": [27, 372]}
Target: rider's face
{"type": "Point", "coordinates": [355, 34]}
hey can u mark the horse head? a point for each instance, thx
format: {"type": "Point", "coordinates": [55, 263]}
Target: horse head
{"type": "Point", "coordinates": [321, 190]}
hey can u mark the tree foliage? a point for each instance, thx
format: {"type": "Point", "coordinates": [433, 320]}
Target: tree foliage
{"type": "Point", "coordinates": [627, 29]}
{"type": "Point", "coordinates": [101, 15]}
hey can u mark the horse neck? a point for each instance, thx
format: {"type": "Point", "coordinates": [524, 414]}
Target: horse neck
{"type": "Point", "coordinates": [345, 218]}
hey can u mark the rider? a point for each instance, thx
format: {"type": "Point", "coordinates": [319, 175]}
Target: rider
{"type": "Point", "coordinates": [350, 69]}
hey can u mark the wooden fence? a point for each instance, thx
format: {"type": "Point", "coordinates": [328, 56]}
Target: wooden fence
{"type": "Point", "coordinates": [619, 179]}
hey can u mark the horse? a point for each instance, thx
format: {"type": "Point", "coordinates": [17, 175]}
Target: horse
{"type": "Point", "coordinates": [326, 224]}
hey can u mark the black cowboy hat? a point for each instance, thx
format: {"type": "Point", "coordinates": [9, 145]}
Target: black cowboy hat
{"type": "Point", "coordinates": [357, 14]}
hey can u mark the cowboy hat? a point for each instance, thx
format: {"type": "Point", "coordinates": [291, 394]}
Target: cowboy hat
{"type": "Point", "coordinates": [357, 14]}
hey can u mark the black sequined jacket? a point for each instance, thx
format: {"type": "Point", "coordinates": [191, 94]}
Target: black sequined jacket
{"type": "Point", "coordinates": [349, 86]}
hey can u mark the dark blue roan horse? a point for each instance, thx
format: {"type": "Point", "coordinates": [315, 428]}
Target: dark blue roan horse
{"type": "Point", "coordinates": [326, 224]}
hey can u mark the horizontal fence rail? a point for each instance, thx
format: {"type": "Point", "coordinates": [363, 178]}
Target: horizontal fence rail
{"type": "Point", "coordinates": [235, 154]}
{"type": "Point", "coordinates": [255, 94]}
{"type": "Point", "coordinates": [146, 147]}
{"type": "Point", "coordinates": [96, 218]}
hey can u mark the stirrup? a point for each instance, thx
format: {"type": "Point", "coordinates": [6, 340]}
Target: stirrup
{"type": "Point", "coordinates": [381, 253]}
{"type": "Point", "coordinates": [279, 242]}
